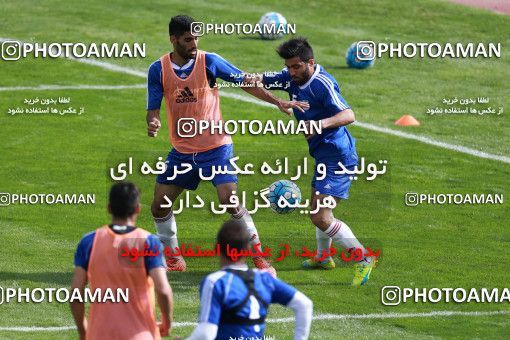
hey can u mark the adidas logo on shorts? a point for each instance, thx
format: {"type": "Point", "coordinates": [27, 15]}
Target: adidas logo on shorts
{"type": "Point", "coordinates": [186, 96]}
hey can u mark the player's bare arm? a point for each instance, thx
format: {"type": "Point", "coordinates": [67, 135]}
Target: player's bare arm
{"type": "Point", "coordinates": [77, 307]}
{"type": "Point", "coordinates": [153, 122]}
{"type": "Point", "coordinates": [164, 296]}
{"type": "Point", "coordinates": [254, 86]}
{"type": "Point", "coordinates": [342, 118]}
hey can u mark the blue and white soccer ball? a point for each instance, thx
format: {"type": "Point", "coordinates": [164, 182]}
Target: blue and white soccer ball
{"type": "Point", "coordinates": [273, 19]}
{"type": "Point", "coordinates": [355, 51]}
{"type": "Point", "coordinates": [283, 191]}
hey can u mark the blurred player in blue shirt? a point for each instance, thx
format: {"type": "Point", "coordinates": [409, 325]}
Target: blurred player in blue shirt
{"type": "Point", "coordinates": [305, 80]}
{"type": "Point", "coordinates": [234, 301]}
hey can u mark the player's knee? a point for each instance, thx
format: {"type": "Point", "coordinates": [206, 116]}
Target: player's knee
{"type": "Point", "coordinates": [157, 210]}
{"type": "Point", "coordinates": [320, 220]}
{"type": "Point", "coordinates": [225, 198]}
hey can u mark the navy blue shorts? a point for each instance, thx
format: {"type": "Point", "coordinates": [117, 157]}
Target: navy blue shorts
{"type": "Point", "coordinates": [219, 156]}
{"type": "Point", "coordinates": [336, 185]}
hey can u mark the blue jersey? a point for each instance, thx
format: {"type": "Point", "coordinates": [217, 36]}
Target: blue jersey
{"type": "Point", "coordinates": [322, 92]}
{"type": "Point", "coordinates": [215, 65]}
{"type": "Point", "coordinates": [223, 290]}
{"type": "Point", "coordinates": [82, 254]}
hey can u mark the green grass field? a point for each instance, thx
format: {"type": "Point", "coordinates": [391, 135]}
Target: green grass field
{"type": "Point", "coordinates": [424, 246]}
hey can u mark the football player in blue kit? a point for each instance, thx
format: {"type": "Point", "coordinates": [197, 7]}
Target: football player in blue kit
{"type": "Point", "coordinates": [187, 79]}
{"type": "Point", "coordinates": [305, 80]}
{"type": "Point", "coordinates": [234, 301]}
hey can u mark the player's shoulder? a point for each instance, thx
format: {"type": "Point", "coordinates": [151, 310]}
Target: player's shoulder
{"type": "Point", "coordinates": [323, 82]}
{"type": "Point", "coordinates": [155, 66]}
{"type": "Point", "coordinates": [88, 237]}
{"type": "Point", "coordinates": [155, 63]}
{"type": "Point", "coordinates": [214, 283]}
{"type": "Point", "coordinates": [214, 278]}
{"type": "Point", "coordinates": [86, 241]}
{"type": "Point", "coordinates": [213, 57]}
{"type": "Point", "coordinates": [265, 276]}
{"type": "Point", "coordinates": [323, 78]}
{"type": "Point", "coordinates": [151, 238]}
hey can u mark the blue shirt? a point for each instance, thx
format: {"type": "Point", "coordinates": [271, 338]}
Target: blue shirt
{"type": "Point", "coordinates": [82, 254]}
{"type": "Point", "coordinates": [215, 65]}
{"type": "Point", "coordinates": [322, 92]}
{"type": "Point", "coordinates": [223, 290]}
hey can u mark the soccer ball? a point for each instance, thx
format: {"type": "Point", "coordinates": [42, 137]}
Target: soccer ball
{"type": "Point", "coordinates": [283, 190]}
{"type": "Point", "coordinates": [356, 50]}
{"type": "Point", "coordinates": [270, 23]}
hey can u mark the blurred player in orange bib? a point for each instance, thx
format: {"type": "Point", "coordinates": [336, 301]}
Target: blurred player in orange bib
{"type": "Point", "coordinates": [186, 78]}
{"type": "Point", "coordinates": [98, 261]}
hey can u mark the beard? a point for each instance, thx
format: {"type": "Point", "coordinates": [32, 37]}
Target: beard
{"type": "Point", "coordinates": [305, 76]}
{"type": "Point", "coordinates": [186, 54]}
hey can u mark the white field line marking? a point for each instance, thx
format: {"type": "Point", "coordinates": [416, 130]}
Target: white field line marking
{"type": "Point", "coordinates": [397, 133]}
{"type": "Point", "coordinates": [430, 141]}
{"type": "Point", "coordinates": [72, 87]}
{"type": "Point", "coordinates": [422, 139]}
{"type": "Point", "coordinates": [317, 317]}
